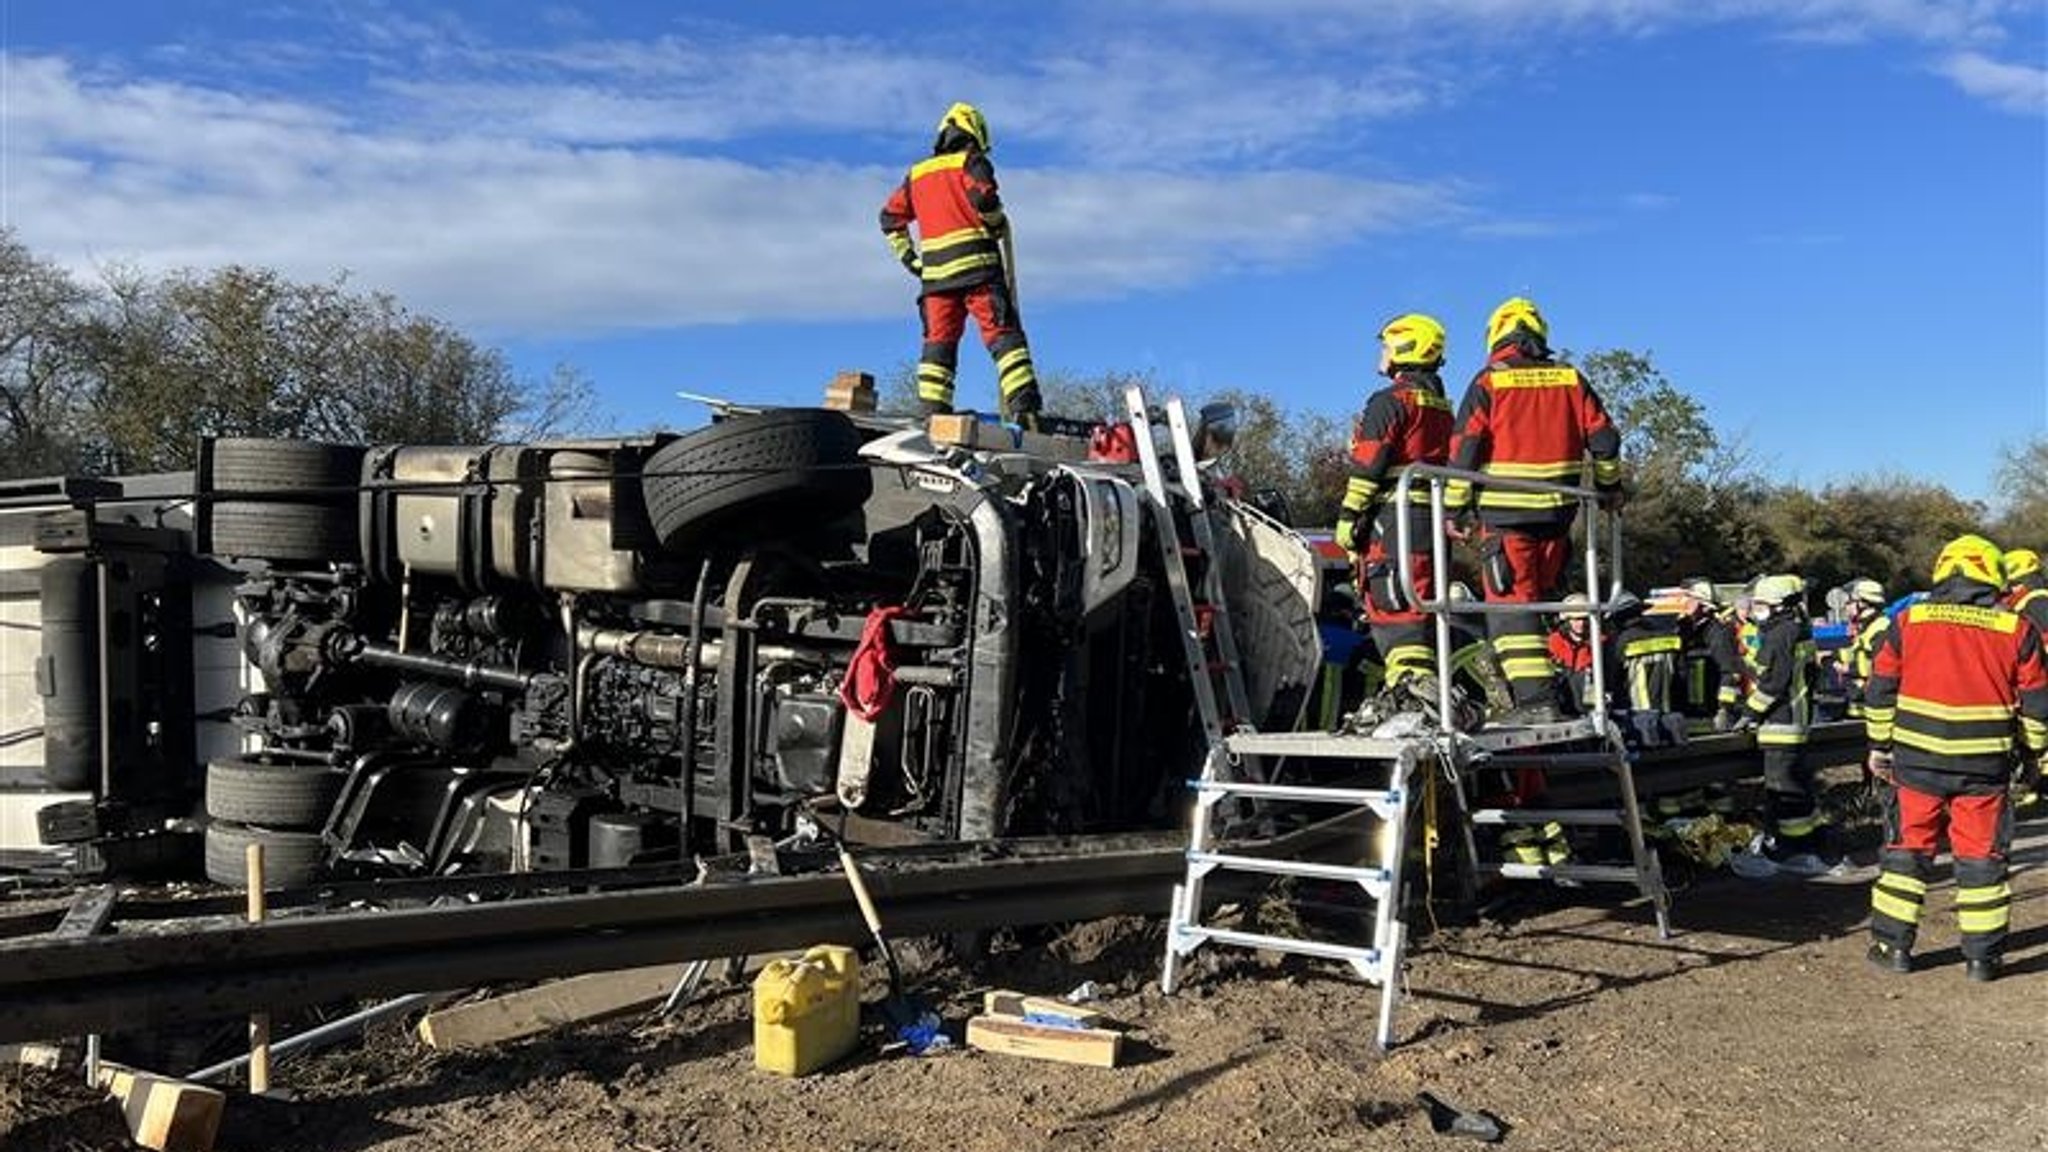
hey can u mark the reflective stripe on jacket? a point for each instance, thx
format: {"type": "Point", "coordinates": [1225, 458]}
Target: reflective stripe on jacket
{"type": "Point", "coordinates": [1781, 701]}
{"type": "Point", "coordinates": [1957, 685]}
{"type": "Point", "coordinates": [1531, 419]}
{"type": "Point", "coordinates": [1407, 422]}
{"type": "Point", "coordinates": [953, 201]}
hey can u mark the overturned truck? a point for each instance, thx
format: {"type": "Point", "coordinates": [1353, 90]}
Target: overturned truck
{"type": "Point", "coordinates": [608, 652]}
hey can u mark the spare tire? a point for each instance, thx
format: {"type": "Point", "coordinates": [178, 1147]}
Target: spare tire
{"type": "Point", "coordinates": [278, 793]}
{"type": "Point", "coordinates": [290, 859]}
{"type": "Point", "coordinates": [754, 477]}
{"type": "Point", "coordinates": [266, 531]}
{"type": "Point", "coordinates": [287, 469]}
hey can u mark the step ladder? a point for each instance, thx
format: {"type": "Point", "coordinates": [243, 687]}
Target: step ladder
{"type": "Point", "coordinates": [1382, 815]}
{"type": "Point", "coordinates": [1214, 670]}
{"type": "Point", "coordinates": [1512, 749]}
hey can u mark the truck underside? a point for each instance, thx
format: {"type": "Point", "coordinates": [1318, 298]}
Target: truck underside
{"type": "Point", "coordinates": [610, 652]}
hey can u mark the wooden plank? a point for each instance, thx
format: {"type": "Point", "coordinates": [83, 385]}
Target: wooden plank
{"type": "Point", "coordinates": [1004, 1002]}
{"type": "Point", "coordinates": [531, 1011]}
{"type": "Point", "coordinates": [89, 914]}
{"type": "Point", "coordinates": [1095, 1047]}
{"type": "Point", "coordinates": [163, 1113]}
{"type": "Point", "coordinates": [46, 1056]}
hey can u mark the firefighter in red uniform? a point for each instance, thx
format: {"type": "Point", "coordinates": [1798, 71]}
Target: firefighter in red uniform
{"type": "Point", "coordinates": [958, 261]}
{"type": "Point", "coordinates": [1526, 417]}
{"type": "Point", "coordinates": [1957, 688]}
{"type": "Point", "coordinates": [1406, 422]}
{"type": "Point", "coordinates": [1571, 649]}
{"type": "Point", "coordinates": [2026, 592]}
{"type": "Point", "coordinates": [2026, 586]}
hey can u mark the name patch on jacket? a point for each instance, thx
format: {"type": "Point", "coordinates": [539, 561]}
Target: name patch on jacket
{"type": "Point", "coordinates": [1535, 377]}
{"type": "Point", "coordinates": [1968, 615]}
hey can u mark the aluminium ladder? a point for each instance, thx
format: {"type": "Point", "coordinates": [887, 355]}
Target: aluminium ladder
{"type": "Point", "coordinates": [1214, 669]}
{"type": "Point", "coordinates": [1386, 808]}
{"type": "Point", "coordinates": [1233, 749]}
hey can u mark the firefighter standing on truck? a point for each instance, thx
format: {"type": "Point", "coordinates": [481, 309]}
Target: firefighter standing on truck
{"type": "Point", "coordinates": [1780, 709]}
{"type": "Point", "coordinates": [1527, 417]}
{"type": "Point", "coordinates": [1406, 422]}
{"type": "Point", "coordinates": [958, 261]}
{"type": "Point", "coordinates": [1958, 688]}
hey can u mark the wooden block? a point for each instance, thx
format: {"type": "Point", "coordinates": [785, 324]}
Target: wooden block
{"type": "Point", "coordinates": [1095, 1047]}
{"type": "Point", "coordinates": [1068, 449]}
{"type": "Point", "coordinates": [162, 1113]}
{"type": "Point", "coordinates": [953, 428]}
{"type": "Point", "coordinates": [531, 1011]}
{"type": "Point", "coordinates": [851, 392]}
{"type": "Point", "coordinates": [1003, 1002]}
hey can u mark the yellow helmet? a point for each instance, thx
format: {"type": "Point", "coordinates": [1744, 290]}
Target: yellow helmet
{"type": "Point", "coordinates": [968, 119]}
{"type": "Point", "coordinates": [2021, 563]}
{"type": "Point", "coordinates": [1577, 606]}
{"type": "Point", "coordinates": [1973, 558]}
{"type": "Point", "coordinates": [1702, 589]}
{"type": "Point", "coordinates": [1518, 313]}
{"type": "Point", "coordinates": [1414, 339]}
{"type": "Point", "coordinates": [1868, 591]}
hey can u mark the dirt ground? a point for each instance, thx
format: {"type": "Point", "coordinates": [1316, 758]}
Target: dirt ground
{"type": "Point", "coordinates": [1759, 1026]}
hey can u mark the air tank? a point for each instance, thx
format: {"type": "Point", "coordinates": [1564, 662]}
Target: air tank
{"type": "Point", "coordinates": [68, 673]}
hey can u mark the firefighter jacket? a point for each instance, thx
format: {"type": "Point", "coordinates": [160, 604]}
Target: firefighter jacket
{"type": "Point", "coordinates": [1781, 700]}
{"type": "Point", "coordinates": [2032, 603]}
{"type": "Point", "coordinates": [1650, 647]}
{"type": "Point", "coordinates": [959, 216]}
{"type": "Point", "coordinates": [1862, 652]}
{"type": "Point", "coordinates": [1957, 687]}
{"type": "Point", "coordinates": [1531, 419]}
{"type": "Point", "coordinates": [1406, 422]}
{"type": "Point", "coordinates": [1713, 663]}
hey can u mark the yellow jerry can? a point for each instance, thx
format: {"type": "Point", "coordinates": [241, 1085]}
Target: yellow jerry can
{"type": "Point", "coordinates": [806, 1010]}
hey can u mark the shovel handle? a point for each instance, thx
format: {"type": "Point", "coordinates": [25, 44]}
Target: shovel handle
{"type": "Point", "coordinates": [860, 892]}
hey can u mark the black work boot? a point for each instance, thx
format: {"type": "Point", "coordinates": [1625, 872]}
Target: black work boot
{"type": "Point", "coordinates": [1983, 969]}
{"type": "Point", "coordinates": [1891, 957]}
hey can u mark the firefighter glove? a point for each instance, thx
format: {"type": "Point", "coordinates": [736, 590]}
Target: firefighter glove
{"type": "Point", "coordinates": [1347, 533]}
{"type": "Point", "coordinates": [913, 265]}
{"type": "Point", "coordinates": [1880, 764]}
{"type": "Point", "coordinates": [1613, 499]}
{"type": "Point", "coordinates": [1726, 719]}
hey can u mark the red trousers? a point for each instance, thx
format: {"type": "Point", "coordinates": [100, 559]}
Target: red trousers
{"type": "Point", "coordinates": [1379, 583]}
{"type": "Point", "coordinates": [1975, 824]}
{"type": "Point", "coordinates": [945, 314]}
{"type": "Point", "coordinates": [1534, 564]}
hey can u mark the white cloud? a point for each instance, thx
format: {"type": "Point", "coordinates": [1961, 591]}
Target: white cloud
{"type": "Point", "coordinates": [1174, 105]}
{"type": "Point", "coordinates": [1934, 20]}
{"type": "Point", "coordinates": [542, 237]}
{"type": "Point", "coordinates": [2013, 87]}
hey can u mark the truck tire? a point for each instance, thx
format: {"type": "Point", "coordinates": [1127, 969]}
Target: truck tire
{"type": "Point", "coordinates": [290, 859]}
{"type": "Point", "coordinates": [314, 532]}
{"type": "Point", "coordinates": [755, 476]}
{"type": "Point", "coordinates": [295, 470]}
{"type": "Point", "coordinates": [276, 793]}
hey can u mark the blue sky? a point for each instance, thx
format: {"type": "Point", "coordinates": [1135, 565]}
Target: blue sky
{"type": "Point", "coordinates": [1826, 218]}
